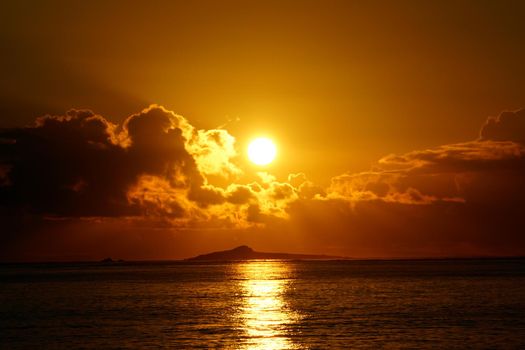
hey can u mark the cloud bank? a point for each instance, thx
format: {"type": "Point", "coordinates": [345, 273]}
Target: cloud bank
{"type": "Point", "coordinates": [156, 169]}
{"type": "Point", "coordinates": [156, 164]}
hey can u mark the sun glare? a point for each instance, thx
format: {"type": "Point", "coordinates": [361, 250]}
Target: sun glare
{"type": "Point", "coordinates": [262, 151]}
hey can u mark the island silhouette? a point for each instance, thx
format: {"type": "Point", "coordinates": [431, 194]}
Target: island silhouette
{"type": "Point", "coordinates": [244, 252]}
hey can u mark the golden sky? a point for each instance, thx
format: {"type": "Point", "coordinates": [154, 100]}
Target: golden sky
{"type": "Point", "coordinates": [379, 111]}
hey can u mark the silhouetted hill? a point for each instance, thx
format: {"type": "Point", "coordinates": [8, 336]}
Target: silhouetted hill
{"type": "Point", "coordinates": [246, 253]}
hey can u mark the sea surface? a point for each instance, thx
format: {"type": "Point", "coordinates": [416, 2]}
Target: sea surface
{"type": "Point", "coordinates": [418, 304]}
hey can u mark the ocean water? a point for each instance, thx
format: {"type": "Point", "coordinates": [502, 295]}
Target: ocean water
{"type": "Point", "coordinates": [427, 304]}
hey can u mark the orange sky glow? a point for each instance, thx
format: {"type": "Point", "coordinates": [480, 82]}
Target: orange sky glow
{"type": "Point", "coordinates": [397, 125]}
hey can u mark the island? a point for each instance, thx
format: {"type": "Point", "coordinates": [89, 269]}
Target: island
{"type": "Point", "coordinates": [246, 253]}
{"type": "Point", "coordinates": [111, 261]}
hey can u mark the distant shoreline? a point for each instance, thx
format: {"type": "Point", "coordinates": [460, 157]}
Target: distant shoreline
{"type": "Point", "coordinates": [199, 262]}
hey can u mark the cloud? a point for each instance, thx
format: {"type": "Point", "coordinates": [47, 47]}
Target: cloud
{"type": "Point", "coordinates": [457, 199]}
{"type": "Point", "coordinates": [154, 170]}
{"type": "Point", "coordinates": [156, 164]}
{"type": "Point", "coordinates": [508, 126]}
{"type": "Point", "coordinates": [67, 165]}
{"type": "Point", "coordinates": [437, 174]}
{"type": "Point", "coordinates": [80, 164]}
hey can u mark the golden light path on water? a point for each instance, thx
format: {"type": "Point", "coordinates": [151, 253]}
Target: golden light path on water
{"type": "Point", "coordinates": [264, 314]}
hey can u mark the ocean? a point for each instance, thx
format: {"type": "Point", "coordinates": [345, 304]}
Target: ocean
{"type": "Point", "coordinates": [396, 304]}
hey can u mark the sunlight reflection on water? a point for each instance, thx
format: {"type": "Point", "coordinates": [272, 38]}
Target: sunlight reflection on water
{"type": "Point", "coordinates": [434, 304]}
{"type": "Point", "coordinates": [264, 313]}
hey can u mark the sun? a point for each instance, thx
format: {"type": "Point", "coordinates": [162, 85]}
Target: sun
{"type": "Point", "coordinates": [262, 151]}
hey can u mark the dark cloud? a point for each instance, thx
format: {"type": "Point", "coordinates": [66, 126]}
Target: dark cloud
{"type": "Point", "coordinates": [155, 166]}
{"type": "Point", "coordinates": [508, 126]}
{"type": "Point", "coordinates": [65, 166]}
{"type": "Point", "coordinates": [240, 195]}
{"type": "Point", "coordinates": [446, 173]}
{"type": "Point", "coordinates": [82, 165]}
{"type": "Point", "coordinates": [457, 199]}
